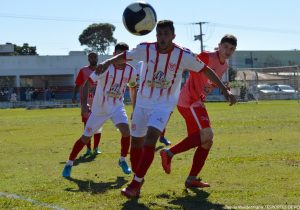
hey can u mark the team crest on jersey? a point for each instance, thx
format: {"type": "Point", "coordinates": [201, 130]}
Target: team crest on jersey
{"type": "Point", "coordinates": [158, 81]}
{"type": "Point", "coordinates": [172, 66]}
{"type": "Point", "coordinates": [114, 91]}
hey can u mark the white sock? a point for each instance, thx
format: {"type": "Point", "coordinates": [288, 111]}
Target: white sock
{"type": "Point", "coordinates": [122, 158]}
{"type": "Point", "coordinates": [69, 163]}
{"type": "Point", "coordinates": [138, 179]}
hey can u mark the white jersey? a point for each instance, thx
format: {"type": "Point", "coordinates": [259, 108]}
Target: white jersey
{"type": "Point", "coordinates": [161, 74]}
{"type": "Point", "coordinates": [111, 86]}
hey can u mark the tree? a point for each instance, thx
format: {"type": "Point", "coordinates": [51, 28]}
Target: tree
{"type": "Point", "coordinates": [98, 37]}
{"type": "Point", "coordinates": [24, 50]}
{"type": "Point", "coordinates": [232, 74]}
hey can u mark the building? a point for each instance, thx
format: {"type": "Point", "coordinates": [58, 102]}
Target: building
{"type": "Point", "coordinates": [262, 59]}
{"type": "Point", "coordinates": [42, 72]}
{"type": "Point", "coordinates": [59, 72]}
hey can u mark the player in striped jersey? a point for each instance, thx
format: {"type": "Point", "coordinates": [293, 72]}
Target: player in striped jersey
{"type": "Point", "coordinates": [162, 138]}
{"type": "Point", "coordinates": [191, 107]}
{"type": "Point", "coordinates": [107, 104]}
{"type": "Point", "coordinates": [157, 96]}
{"type": "Point", "coordinates": [81, 78]}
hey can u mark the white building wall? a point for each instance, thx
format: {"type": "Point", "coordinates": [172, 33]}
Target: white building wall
{"type": "Point", "coordinates": [42, 65]}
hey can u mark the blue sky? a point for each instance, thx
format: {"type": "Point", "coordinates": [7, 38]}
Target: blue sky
{"type": "Point", "coordinates": [54, 26]}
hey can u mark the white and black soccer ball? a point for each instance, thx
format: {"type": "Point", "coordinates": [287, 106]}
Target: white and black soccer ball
{"type": "Point", "coordinates": [139, 18]}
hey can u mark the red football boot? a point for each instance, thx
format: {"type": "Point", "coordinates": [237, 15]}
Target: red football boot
{"type": "Point", "coordinates": [133, 190]}
{"type": "Point", "coordinates": [165, 161]}
{"type": "Point", "coordinates": [196, 183]}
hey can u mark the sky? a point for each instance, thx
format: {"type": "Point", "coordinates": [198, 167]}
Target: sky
{"type": "Point", "coordinates": [54, 26]}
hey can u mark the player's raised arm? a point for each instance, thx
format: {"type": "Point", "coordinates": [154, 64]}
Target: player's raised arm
{"type": "Point", "coordinates": [117, 59]}
{"type": "Point", "coordinates": [214, 78]}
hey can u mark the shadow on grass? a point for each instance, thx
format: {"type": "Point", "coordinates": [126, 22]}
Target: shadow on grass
{"type": "Point", "coordinates": [197, 199]}
{"type": "Point", "coordinates": [133, 204]}
{"type": "Point", "coordinates": [95, 188]}
{"type": "Point", "coordinates": [82, 159]}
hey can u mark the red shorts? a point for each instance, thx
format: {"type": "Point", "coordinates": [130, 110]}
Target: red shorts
{"type": "Point", "coordinates": [196, 117]}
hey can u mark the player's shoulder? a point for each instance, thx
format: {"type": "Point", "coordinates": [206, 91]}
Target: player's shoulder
{"type": "Point", "coordinates": [84, 69]}
{"type": "Point", "coordinates": [147, 43]}
{"type": "Point", "coordinates": [184, 49]}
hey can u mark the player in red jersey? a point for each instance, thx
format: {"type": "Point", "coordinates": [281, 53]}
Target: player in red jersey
{"type": "Point", "coordinates": [107, 104]}
{"type": "Point", "coordinates": [191, 107]}
{"type": "Point", "coordinates": [157, 96]}
{"type": "Point", "coordinates": [81, 78]}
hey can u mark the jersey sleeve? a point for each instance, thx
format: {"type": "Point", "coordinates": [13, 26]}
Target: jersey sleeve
{"type": "Point", "coordinates": [191, 62]}
{"type": "Point", "coordinates": [204, 57]}
{"type": "Point", "coordinates": [138, 53]}
{"type": "Point", "coordinates": [80, 78]}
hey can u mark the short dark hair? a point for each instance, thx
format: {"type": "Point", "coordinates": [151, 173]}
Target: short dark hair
{"type": "Point", "coordinates": [92, 53]}
{"type": "Point", "coordinates": [230, 39]}
{"type": "Point", "coordinates": [166, 23]}
{"type": "Point", "coordinates": [121, 46]}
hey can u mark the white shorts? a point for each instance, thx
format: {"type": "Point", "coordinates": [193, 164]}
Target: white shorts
{"type": "Point", "coordinates": [95, 122]}
{"type": "Point", "coordinates": [142, 118]}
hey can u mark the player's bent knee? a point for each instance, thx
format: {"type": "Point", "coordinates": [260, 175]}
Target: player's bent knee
{"type": "Point", "coordinates": [85, 139]}
{"type": "Point", "coordinates": [207, 136]}
{"type": "Point", "coordinates": [124, 129]}
{"type": "Point", "coordinates": [207, 145]}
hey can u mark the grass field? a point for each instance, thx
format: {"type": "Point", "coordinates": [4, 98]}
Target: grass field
{"type": "Point", "coordinates": [255, 162]}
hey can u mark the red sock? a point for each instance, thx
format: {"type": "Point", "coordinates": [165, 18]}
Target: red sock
{"type": "Point", "coordinates": [97, 137]}
{"type": "Point", "coordinates": [125, 144]}
{"type": "Point", "coordinates": [135, 156]}
{"type": "Point", "coordinates": [163, 133]}
{"type": "Point", "coordinates": [198, 161]}
{"type": "Point", "coordinates": [76, 149]}
{"type": "Point", "coordinates": [145, 161]}
{"type": "Point", "coordinates": [187, 143]}
{"type": "Point", "coordinates": [88, 145]}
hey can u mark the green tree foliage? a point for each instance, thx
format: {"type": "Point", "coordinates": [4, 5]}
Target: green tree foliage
{"type": "Point", "coordinates": [232, 74]}
{"type": "Point", "coordinates": [98, 37]}
{"type": "Point", "coordinates": [24, 50]}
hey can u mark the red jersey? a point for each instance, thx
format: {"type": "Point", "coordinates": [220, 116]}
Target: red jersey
{"type": "Point", "coordinates": [198, 86]}
{"type": "Point", "coordinates": [83, 75]}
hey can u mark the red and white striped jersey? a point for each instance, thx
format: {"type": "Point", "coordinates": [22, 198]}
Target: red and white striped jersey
{"type": "Point", "coordinates": [160, 78]}
{"type": "Point", "coordinates": [111, 86]}
{"type": "Point", "coordinates": [82, 76]}
{"type": "Point", "coordinates": [198, 86]}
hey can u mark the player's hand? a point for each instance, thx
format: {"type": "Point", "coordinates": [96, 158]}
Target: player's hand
{"type": "Point", "coordinates": [99, 69]}
{"type": "Point", "coordinates": [230, 97]}
{"type": "Point", "coordinates": [84, 110]}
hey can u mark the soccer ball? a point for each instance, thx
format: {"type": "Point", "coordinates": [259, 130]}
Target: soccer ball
{"type": "Point", "coordinates": [139, 18]}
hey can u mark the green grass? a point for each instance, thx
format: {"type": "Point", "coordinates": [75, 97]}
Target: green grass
{"type": "Point", "coordinates": [255, 161]}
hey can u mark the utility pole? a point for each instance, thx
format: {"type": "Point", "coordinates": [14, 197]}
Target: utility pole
{"type": "Point", "coordinates": [199, 37]}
